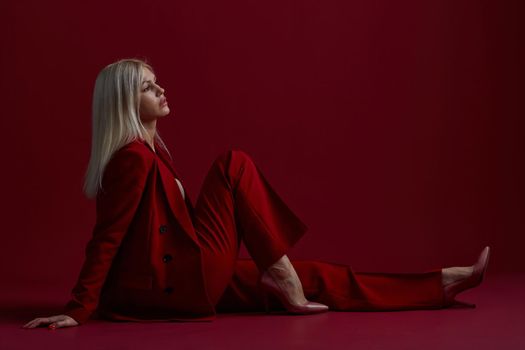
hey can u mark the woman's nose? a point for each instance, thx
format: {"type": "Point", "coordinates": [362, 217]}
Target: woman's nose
{"type": "Point", "coordinates": [160, 90]}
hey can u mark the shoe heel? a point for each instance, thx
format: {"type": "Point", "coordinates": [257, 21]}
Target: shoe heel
{"type": "Point", "coordinates": [266, 302]}
{"type": "Point", "coordinates": [263, 293]}
{"type": "Point", "coordinates": [464, 304]}
{"type": "Point", "coordinates": [267, 286]}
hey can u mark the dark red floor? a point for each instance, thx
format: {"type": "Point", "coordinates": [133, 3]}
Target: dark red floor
{"type": "Point", "coordinates": [498, 322]}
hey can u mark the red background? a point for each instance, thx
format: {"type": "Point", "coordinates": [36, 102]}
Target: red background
{"type": "Point", "coordinates": [395, 129]}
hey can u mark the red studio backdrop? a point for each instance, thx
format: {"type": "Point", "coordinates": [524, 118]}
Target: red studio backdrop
{"type": "Point", "coordinates": [394, 129]}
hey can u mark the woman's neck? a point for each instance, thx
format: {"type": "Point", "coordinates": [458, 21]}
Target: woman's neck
{"type": "Point", "coordinates": [151, 128]}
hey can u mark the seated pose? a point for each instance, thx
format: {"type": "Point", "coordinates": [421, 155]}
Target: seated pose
{"type": "Point", "coordinates": [153, 256]}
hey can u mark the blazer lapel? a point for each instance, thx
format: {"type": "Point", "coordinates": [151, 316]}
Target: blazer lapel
{"type": "Point", "coordinates": [166, 159]}
{"type": "Point", "coordinates": [169, 163]}
{"type": "Point", "coordinates": [181, 208]}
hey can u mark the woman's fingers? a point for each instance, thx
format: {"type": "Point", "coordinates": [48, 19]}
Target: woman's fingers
{"type": "Point", "coordinates": [33, 323]}
{"type": "Point", "coordinates": [37, 322]}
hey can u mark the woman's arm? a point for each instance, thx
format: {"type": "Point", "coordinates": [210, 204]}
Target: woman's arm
{"type": "Point", "coordinates": [117, 202]}
{"type": "Point", "coordinates": [122, 187]}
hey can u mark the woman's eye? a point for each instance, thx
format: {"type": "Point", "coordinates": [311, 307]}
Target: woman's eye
{"type": "Point", "coordinates": [146, 89]}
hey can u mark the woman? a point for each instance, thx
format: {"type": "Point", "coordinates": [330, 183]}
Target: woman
{"type": "Point", "coordinates": [154, 256]}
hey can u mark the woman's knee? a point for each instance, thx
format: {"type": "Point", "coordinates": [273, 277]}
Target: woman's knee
{"type": "Point", "coordinates": [240, 155]}
{"type": "Point", "coordinates": [235, 156]}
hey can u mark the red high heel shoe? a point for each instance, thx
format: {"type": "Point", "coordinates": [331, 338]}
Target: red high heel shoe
{"type": "Point", "coordinates": [268, 285]}
{"type": "Point", "coordinates": [452, 289]}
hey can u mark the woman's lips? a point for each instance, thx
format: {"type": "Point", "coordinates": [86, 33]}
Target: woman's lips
{"type": "Point", "coordinates": [164, 103]}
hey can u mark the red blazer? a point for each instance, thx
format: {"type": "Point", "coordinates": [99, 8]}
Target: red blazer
{"type": "Point", "coordinates": [143, 261]}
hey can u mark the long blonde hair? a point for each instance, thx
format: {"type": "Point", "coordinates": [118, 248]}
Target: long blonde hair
{"type": "Point", "coordinates": [116, 117]}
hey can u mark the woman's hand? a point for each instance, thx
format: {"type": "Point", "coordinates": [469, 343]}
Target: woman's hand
{"type": "Point", "coordinates": [57, 321]}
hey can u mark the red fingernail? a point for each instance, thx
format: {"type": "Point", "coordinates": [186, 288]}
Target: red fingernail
{"type": "Point", "coordinates": [52, 326]}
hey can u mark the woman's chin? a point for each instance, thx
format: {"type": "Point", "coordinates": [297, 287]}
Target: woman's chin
{"type": "Point", "coordinates": [165, 111]}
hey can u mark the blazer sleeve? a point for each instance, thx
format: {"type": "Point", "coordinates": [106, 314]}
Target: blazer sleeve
{"type": "Point", "coordinates": [116, 204]}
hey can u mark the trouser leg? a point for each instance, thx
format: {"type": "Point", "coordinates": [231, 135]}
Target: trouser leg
{"type": "Point", "coordinates": [237, 203]}
{"type": "Point", "coordinates": [340, 288]}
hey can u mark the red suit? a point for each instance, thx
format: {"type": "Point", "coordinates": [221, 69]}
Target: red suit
{"type": "Point", "coordinates": [155, 257]}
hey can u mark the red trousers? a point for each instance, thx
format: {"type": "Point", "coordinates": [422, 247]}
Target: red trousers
{"type": "Point", "coordinates": [237, 204]}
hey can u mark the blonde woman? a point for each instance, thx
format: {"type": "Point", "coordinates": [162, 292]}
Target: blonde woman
{"type": "Point", "coordinates": [153, 256]}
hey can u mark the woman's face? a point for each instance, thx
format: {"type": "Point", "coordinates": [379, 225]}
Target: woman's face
{"type": "Point", "coordinates": [153, 103]}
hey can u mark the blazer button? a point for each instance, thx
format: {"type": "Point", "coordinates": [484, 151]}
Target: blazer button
{"type": "Point", "coordinates": [167, 258]}
{"type": "Point", "coordinates": [168, 290]}
{"type": "Point", "coordinates": [163, 229]}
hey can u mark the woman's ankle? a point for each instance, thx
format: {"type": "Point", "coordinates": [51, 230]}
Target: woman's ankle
{"type": "Point", "coordinates": [284, 274]}
{"type": "Point", "coordinates": [281, 269]}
